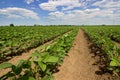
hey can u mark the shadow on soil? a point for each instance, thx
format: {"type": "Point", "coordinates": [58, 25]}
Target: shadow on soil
{"type": "Point", "coordinates": [101, 60]}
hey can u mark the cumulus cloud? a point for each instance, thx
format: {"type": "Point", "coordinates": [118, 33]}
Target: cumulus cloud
{"type": "Point", "coordinates": [75, 14]}
{"type": "Point", "coordinates": [14, 12]}
{"type": "Point", "coordinates": [84, 16]}
{"type": "Point", "coordinates": [52, 5]}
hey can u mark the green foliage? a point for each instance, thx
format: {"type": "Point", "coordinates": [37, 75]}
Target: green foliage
{"type": "Point", "coordinates": [114, 62]}
{"type": "Point", "coordinates": [51, 59]}
{"type": "Point", "coordinates": [5, 65]}
{"type": "Point", "coordinates": [17, 69]}
{"type": "Point", "coordinates": [31, 78]}
{"type": "Point", "coordinates": [104, 38]}
{"type": "Point", "coordinates": [26, 64]}
{"type": "Point", "coordinates": [14, 40]}
{"type": "Point", "coordinates": [41, 66]}
{"type": "Point", "coordinates": [48, 78]}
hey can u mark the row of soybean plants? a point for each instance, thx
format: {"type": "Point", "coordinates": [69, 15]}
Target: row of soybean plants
{"type": "Point", "coordinates": [14, 40]}
{"type": "Point", "coordinates": [112, 32]}
{"type": "Point", "coordinates": [108, 49]}
{"type": "Point", "coordinates": [41, 65]}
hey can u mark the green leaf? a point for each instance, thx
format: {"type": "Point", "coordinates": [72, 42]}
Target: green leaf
{"type": "Point", "coordinates": [51, 59]}
{"type": "Point", "coordinates": [27, 64]}
{"type": "Point", "coordinates": [16, 70]}
{"type": "Point", "coordinates": [42, 65]}
{"type": "Point", "coordinates": [39, 59]}
{"type": "Point", "coordinates": [47, 48]}
{"type": "Point", "coordinates": [48, 77]}
{"type": "Point", "coordinates": [25, 77]}
{"type": "Point", "coordinates": [45, 54]}
{"type": "Point", "coordinates": [36, 54]}
{"type": "Point", "coordinates": [48, 72]}
{"type": "Point", "coordinates": [5, 65]}
{"type": "Point", "coordinates": [113, 63]}
{"type": "Point", "coordinates": [20, 63]}
{"type": "Point", "coordinates": [10, 74]}
{"type": "Point", "coordinates": [45, 78]}
{"type": "Point", "coordinates": [31, 78]}
{"type": "Point", "coordinates": [2, 42]}
{"type": "Point", "coordinates": [60, 62]}
{"type": "Point", "coordinates": [51, 78]}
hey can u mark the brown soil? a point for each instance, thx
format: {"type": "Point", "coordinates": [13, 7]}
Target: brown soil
{"type": "Point", "coordinates": [78, 65]}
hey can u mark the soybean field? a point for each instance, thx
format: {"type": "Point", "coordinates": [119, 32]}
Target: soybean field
{"type": "Point", "coordinates": [60, 53]}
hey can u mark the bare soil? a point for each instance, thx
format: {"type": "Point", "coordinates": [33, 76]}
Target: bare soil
{"type": "Point", "coordinates": [79, 64]}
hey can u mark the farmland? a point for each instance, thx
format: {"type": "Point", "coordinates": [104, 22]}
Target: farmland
{"type": "Point", "coordinates": [106, 44]}
{"type": "Point", "coordinates": [70, 56]}
{"type": "Point", "coordinates": [15, 40]}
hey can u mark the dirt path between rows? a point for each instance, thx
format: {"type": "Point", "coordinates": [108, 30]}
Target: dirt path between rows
{"type": "Point", "coordinates": [78, 65]}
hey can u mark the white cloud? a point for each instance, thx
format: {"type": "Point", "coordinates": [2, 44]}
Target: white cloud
{"type": "Point", "coordinates": [57, 14]}
{"type": "Point", "coordinates": [111, 8]}
{"type": "Point", "coordinates": [52, 5]}
{"type": "Point", "coordinates": [108, 4]}
{"type": "Point", "coordinates": [75, 14]}
{"type": "Point", "coordinates": [99, 3]}
{"type": "Point", "coordinates": [14, 12]}
{"type": "Point", "coordinates": [30, 1]}
{"type": "Point", "coordinates": [84, 16]}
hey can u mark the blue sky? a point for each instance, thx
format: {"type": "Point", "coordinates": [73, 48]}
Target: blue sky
{"type": "Point", "coordinates": [59, 12]}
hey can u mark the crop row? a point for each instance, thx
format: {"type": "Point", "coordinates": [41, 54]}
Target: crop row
{"type": "Point", "coordinates": [14, 40]}
{"type": "Point", "coordinates": [112, 33]}
{"type": "Point", "coordinates": [111, 52]}
{"type": "Point", "coordinates": [41, 65]}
